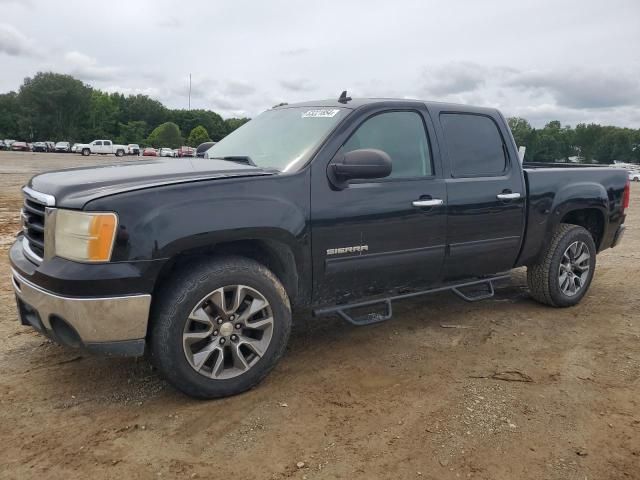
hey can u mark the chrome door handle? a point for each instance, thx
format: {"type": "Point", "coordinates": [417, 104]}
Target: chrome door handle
{"type": "Point", "coordinates": [508, 196]}
{"type": "Point", "coordinates": [433, 202]}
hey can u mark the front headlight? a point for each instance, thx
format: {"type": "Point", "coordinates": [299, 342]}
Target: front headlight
{"type": "Point", "coordinates": [84, 236]}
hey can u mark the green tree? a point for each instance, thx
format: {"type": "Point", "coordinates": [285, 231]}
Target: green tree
{"type": "Point", "coordinates": [9, 115]}
{"type": "Point", "coordinates": [521, 130]}
{"type": "Point", "coordinates": [233, 123]}
{"type": "Point", "coordinates": [132, 132]}
{"type": "Point", "coordinates": [197, 136]}
{"type": "Point", "coordinates": [187, 120]}
{"type": "Point", "coordinates": [165, 135]}
{"type": "Point", "coordinates": [103, 115]}
{"type": "Point", "coordinates": [53, 106]}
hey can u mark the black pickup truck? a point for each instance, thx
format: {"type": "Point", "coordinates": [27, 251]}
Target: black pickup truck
{"type": "Point", "coordinates": [334, 207]}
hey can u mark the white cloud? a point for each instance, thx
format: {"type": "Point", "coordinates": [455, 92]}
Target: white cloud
{"type": "Point", "coordinates": [579, 64]}
{"type": "Point", "coordinates": [297, 85]}
{"type": "Point", "coordinates": [14, 43]}
{"type": "Point", "coordinates": [237, 88]}
{"type": "Point", "coordinates": [585, 87]}
{"type": "Point", "coordinates": [87, 68]}
{"type": "Point", "coordinates": [453, 78]}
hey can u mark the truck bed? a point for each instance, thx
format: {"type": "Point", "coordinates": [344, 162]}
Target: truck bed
{"type": "Point", "coordinates": [554, 189]}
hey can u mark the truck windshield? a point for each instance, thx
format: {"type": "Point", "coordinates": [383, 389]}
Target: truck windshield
{"type": "Point", "coordinates": [282, 138]}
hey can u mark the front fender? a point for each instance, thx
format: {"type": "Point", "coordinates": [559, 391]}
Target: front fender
{"type": "Point", "coordinates": [162, 222]}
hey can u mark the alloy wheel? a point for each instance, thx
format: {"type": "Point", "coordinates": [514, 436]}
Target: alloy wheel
{"type": "Point", "coordinates": [574, 268]}
{"type": "Point", "coordinates": [228, 332]}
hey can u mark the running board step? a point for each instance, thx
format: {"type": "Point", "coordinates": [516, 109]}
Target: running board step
{"type": "Point", "coordinates": [370, 318]}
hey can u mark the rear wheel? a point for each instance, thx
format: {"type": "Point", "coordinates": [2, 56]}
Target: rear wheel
{"type": "Point", "coordinates": [564, 273]}
{"type": "Point", "coordinates": [220, 327]}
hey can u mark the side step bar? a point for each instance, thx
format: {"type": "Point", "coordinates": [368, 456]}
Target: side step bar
{"type": "Point", "coordinates": [377, 317]}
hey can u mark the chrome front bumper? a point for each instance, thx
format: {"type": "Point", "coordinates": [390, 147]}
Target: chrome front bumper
{"type": "Point", "coordinates": [111, 325]}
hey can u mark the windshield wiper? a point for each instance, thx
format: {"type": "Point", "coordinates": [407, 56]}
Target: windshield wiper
{"type": "Point", "coordinates": [245, 159]}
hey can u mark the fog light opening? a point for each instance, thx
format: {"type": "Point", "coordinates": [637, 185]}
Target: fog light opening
{"type": "Point", "coordinates": [64, 332]}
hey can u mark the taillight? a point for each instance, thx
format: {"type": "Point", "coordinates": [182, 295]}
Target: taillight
{"type": "Point", "coordinates": [626, 196]}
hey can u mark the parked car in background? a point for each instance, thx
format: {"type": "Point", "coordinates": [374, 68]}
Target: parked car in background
{"type": "Point", "coordinates": [51, 146]}
{"type": "Point", "coordinates": [133, 149]}
{"type": "Point", "coordinates": [186, 152]}
{"type": "Point", "coordinates": [149, 152]}
{"type": "Point", "coordinates": [3, 146]}
{"type": "Point", "coordinates": [7, 143]}
{"type": "Point", "coordinates": [74, 148]}
{"type": "Point", "coordinates": [62, 147]}
{"type": "Point", "coordinates": [19, 147]}
{"type": "Point", "coordinates": [634, 176]}
{"type": "Point", "coordinates": [166, 152]}
{"type": "Point", "coordinates": [39, 147]}
{"type": "Point", "coordinates": [101, 147]}
{"type": "Point", "coordinates": [203, 147]}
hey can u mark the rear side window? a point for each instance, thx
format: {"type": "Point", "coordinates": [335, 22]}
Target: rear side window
{"type": "Point", "coordinates": [98, 143]}
{"type": "Point", "coordinates": [474, 145]}
{"type": "Point", "coordinates": [402, 136]}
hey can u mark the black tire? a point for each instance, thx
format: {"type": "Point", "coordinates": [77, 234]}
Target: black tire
{"type": "Point", "coordinates": [181, 294]}
{"type": "Point", "coordinates": [86, 152]}
{"type": "Point", "coordinates": [119, 153]}
{"type": "Point", "coordinates": [543, 277]}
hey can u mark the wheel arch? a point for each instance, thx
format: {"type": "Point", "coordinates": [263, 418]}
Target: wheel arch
{"type": "Point", "coordinates": [276, 255]}
{"type": "Point", "coordinates": [591, 219]}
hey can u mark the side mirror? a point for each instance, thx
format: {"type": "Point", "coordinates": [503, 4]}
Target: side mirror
{"type": "Point", "coordinates": [359, 164]}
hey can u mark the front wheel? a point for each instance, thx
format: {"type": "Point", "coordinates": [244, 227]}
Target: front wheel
{"type": "Point", "coordinates": [85, 152]}
{"type": "Point", "coordinates": [119, 153]}
{"type": "Point", "coordinates": [219, 327]}
{"type": "Point", "coordinates": [564, 272]}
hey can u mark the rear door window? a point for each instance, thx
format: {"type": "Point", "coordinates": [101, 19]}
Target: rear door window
{"type": "Point", "coordinates": [474, 144]}
{"type": "Point", "coordinates": [98, 143]}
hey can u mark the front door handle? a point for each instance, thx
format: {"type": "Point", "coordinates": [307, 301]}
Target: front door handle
{"type": "Point", "coordinates": [432, 202]}
{"type": "Point", "coordinates": [508, 196]}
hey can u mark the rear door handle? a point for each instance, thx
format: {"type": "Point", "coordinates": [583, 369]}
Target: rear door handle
{"type": "Point", "coordinates": [508, 196]}
{"type": "Point", "coordinates": [432, 202]}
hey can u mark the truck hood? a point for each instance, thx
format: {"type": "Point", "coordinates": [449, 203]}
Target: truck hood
{"type": "Point", "coordinates": [74, 187]}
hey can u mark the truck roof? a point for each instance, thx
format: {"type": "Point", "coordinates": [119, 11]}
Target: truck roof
{"type": "Point", "coordinates": [361, 102]}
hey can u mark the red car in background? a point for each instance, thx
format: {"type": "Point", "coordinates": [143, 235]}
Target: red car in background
{"type": "Point", "coordinates": [186, 152]}
{"type": "Point", "coordinates": [20, 147]}
{"type": "Point", "coordinates": [149, 152]}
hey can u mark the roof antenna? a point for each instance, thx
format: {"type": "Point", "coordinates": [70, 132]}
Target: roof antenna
{"type": "Point", "coordinates": [343, 97]}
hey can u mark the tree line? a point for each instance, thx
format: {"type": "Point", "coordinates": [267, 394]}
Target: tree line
{"type": "Point", "coordinates": [52, 106]}
{"type": "Point", "coordinates": [56, 107]}
{"type": "Point", "coordinates": [586, 143]}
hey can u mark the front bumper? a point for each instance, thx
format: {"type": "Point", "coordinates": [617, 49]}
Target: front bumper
{"type": "Point", "coordinates": [108, 325]}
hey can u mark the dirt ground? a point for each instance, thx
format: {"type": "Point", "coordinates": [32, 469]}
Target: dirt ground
{"type": "Point", "coordinates": [407, 398]}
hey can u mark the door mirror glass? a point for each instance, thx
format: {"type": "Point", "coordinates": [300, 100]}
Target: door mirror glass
{"type": "Point", "coordinates": [361, 164]}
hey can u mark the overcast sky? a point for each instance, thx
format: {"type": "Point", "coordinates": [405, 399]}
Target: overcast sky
{"type": "Point", "coordinates": [575, 61]}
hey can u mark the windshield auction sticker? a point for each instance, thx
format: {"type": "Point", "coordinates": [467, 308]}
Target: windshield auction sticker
{"type": "Point", "coordinates": [321, 113]}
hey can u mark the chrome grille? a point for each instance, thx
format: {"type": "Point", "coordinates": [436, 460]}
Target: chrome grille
{"type": "Point", "coordinates": [33, 221]}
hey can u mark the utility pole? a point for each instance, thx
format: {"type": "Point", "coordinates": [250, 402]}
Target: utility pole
{"type": "Point", "coordinates": [189, 91]}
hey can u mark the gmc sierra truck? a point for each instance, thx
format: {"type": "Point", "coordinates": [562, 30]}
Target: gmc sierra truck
{"type": "Point", "coordinates": [333, 207]}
